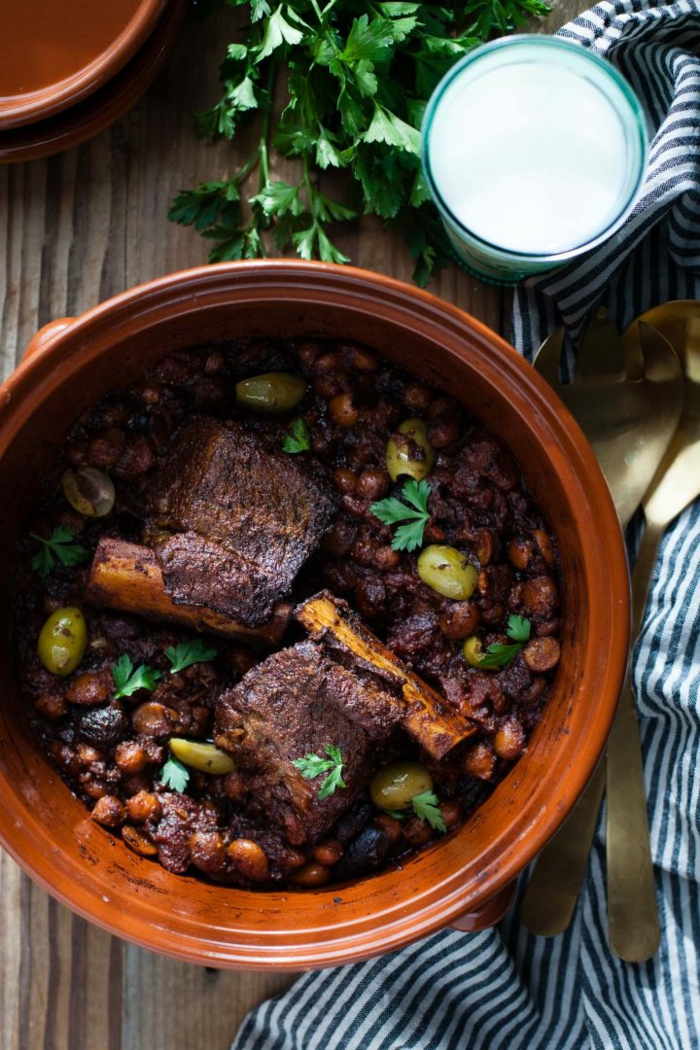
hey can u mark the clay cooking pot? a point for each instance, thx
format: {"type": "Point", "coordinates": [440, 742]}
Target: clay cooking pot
{"type": "Point", "coordinates": [467, 874]}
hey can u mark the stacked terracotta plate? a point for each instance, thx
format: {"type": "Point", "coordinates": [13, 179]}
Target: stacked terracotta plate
{"type": "Point", "coordinates": [68, 68]}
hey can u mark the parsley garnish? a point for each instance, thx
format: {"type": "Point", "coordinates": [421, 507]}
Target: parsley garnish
{"type": "Point", "coordinates": [129, 681]}
{"type": "Point", "coordinates": [426, 806]}
{"type": "Point", "coordinates": [174, 775]}
{"type": "Point", "coordinates": [298, 439]}
{"type": "Point", "coordinates": [499, 655]}
{"type": "Point", "coordinates": [390, 510]}
{"type": "Point", "coordinates": [357, 75]}
{"type": "Point", "coordinates": [312, 766]}
{"type": "Point", "coordinates": [187, 653]}
{"type": "Point", "coordinates": [59, 546]}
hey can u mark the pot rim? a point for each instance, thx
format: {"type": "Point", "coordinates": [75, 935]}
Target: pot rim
{"type": "Point", "coordinates": [187, 291]}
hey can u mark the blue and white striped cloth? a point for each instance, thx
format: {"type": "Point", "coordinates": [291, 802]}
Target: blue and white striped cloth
{"type": "Point", "coordinates": [505, 989]}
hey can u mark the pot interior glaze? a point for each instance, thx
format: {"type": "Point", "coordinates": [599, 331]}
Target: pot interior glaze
{"type": "Point", "coordinates": [55, 52]}
{"type": "Point", "coordinates": [50, 833]}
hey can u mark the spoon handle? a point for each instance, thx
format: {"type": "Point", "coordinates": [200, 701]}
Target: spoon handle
{"type": "Point", "coordinates": [551, 894]}
{"type": "Point", "coordinates": [633, 916]}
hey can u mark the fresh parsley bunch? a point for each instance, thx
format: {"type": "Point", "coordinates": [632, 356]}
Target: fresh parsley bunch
{"type": "Point", "coordinates": [357, 75]}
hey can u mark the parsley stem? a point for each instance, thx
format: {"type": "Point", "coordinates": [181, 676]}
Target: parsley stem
{"type": "Point", "coordinates": [264, 149]}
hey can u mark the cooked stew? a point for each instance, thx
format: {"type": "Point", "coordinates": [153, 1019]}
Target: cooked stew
{"type": "Point", "coordinates": [285, 613]}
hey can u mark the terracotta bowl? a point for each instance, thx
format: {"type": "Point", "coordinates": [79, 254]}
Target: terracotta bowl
{"type": "Point", "coordinates": [80, 54]}
{"type": "Point", "coordinates": [465, 878]}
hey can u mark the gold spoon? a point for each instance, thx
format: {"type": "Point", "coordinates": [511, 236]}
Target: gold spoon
{"type": "Point", "coordinates": [627, 399]}
{"type": "Point", "coordinates": [632, 910]}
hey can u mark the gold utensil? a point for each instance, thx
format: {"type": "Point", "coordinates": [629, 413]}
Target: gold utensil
{"type": "Point", "coordinates": [632, 911]}
{"type": "Point", "coordinates": [627, 399]}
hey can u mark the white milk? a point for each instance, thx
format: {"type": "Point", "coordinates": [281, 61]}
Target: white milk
{"type": "Point", "coordinates": [533, 147]}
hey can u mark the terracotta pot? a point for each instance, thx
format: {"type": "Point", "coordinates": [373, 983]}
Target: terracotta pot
{"type": "Point", "coordinates": [88, 118]}
{"type": "Point", "coordinates": [464, 878]}
{"type": "Point", "coordinates": [84, 54]}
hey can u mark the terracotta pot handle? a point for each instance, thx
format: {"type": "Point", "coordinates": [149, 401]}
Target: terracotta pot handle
{"type": "Point", "coordinates": [488, 914]}
{"type": "Point", "coordinates": [45, 336]}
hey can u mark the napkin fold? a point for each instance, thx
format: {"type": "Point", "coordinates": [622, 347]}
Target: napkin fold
{"type": "Point", "coordinates": [505, 989]}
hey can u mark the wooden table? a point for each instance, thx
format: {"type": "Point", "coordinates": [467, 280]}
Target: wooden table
{"type": "Point", "coordinates": [74, 230]}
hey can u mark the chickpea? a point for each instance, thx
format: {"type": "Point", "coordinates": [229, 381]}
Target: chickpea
{"type": "Point", "coordinates": [63, 641]}
{"type": "Point", "coordinates": [372, 484]}
{"type": "Point", "coordinates": [451, 813]}
{"type": "Point", "coordinates": [542, 654]}
{"type": "Point", "coordinates": [545, 546]}
{"type": "Point", "coordinates": [311, 876]}
{"type": "Point", "coordinates": [416, 832]}
{"type": "Point", "coordinates": [361, 359]}
{"type": "Point", "coordinates": [343, 411]}
{"type": "Point", "coordinates": [393, 787]}
{"type": "Point", "coordinates": [459, 620]}
{"type": "Point", "coordinates": [417, 397]}
{"type": "Point", "coordinates": [51, 706]}
{"type": "Point", "coordinates": [328, 853]}
{"type": "Point", "coordinates": [143, 806]}
{"type": "Point", "coordinates": [447, 571]}
{"type": "Point", "coordinates": [250, 859]}
{"type": "Point", "coordinates": [409, 452]}
{"type": "Point", "coordinates": [154, 719]}
{"type": "Point", "coordinates": [390, 826]}
{"type": "Point", "coordinates": [386, 558]}
{"type": "Point", "coordinates": [109, 811]}
{"type": "Point", "coordinates": [197, 754]}
{"type": "Point", "coordinates": [308, 352]}
{"type": "Point", "coordinates": [479, 761]}
{"type": "Point", "coordinates": [509, 741]}
{"type": "Point", "coordinates": [345, 481]}
{"type": "Point", "coordinates": [520, 552]}
{"type": "Point", "coordinates": [89, 491]}
{"type": "Point", "coordinates": [130, 758]}
{"type": "Point", "coordinates": [208, 852]}
{"type": "Point", "coordinates": [271, 392]}
{"type": "Point", "coordinates": [443, 432]}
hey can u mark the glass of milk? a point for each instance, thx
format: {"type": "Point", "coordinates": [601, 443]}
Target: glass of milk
{"type": "Point", "coordinates": [534, 151]}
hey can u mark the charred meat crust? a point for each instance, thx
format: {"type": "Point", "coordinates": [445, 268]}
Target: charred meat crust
{"type": "Point", "coordinates": [295, 703]}
{"type": "Point", "coordinates": [244, 517]}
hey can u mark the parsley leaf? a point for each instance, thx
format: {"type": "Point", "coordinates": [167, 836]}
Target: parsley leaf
{"type": "Point", "coordinates": [187, 653]}
{"type": "Point", "coordinates": [128, 681]}
{"type": "Point", "coordinates": [500, 655]}
{"type": "Point", "coordinates": [174, 775]}
{"type": "Point", "coordinates": [426, 806]}
{"type": "Point", "coordinates": [519, 628]}
{"type": "Point", "coordinates": [356, 76]}
{"type": "Point", "coordinates": [391, 510]}
{"type": "Point", "coordinates": [299, 438]}
{"type": "Point", "coordinates": [58, 547]}
{"type": "Point", "coordinates": [312, 766]}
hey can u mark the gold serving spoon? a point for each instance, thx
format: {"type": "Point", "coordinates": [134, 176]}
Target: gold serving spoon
{"type": "Point", "coordinates": [632, 909]}
{"type": "Point", "coordinates": [627, 398]}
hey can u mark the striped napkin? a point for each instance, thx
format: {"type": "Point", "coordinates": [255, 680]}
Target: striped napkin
{"type": "Point", "coordinates": [505, 989]}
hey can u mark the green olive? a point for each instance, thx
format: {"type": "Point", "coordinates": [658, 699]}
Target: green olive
{"type": "Point", "coordinates": [473, 651]}
{"type": "Point", "coordinates": [63, 641]}
{"type": "Point", "coordinates": [202, 756]}
{"type": "Point", "coordinates": [89, 490]}
{"type": "Point", "coordinates": [271, 392]}
{"type": "Point", "coordinates": [447, 571]}
{"type": "Point", "coordinates": [410, 453]}
{"type": "Point", "coordinates": [393, 787]}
